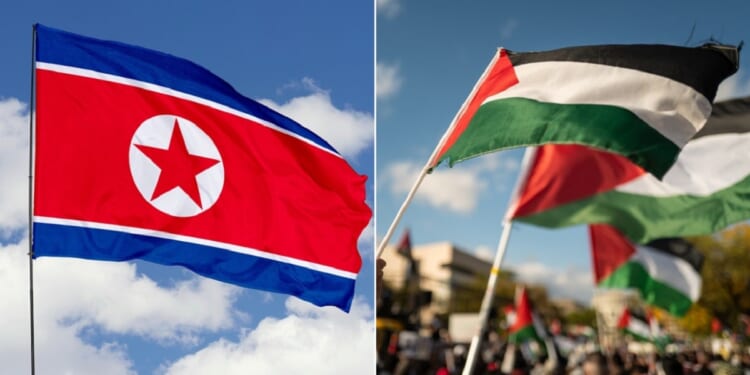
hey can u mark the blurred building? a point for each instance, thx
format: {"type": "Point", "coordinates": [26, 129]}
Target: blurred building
{"type": "Point", "coordinates": [609, 305]}
{"type": "Point", "coordinates": [445, 271]}
{"type": "Point", "coordinates": [567, 306]}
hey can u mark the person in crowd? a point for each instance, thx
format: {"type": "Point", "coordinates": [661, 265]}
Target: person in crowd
{"type": "Point", "coordinates": [669, 365]}
{"type": "Point", "coordinates": [595, 363]}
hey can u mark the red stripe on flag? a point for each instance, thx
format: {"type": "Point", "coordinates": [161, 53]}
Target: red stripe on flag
{"type": "Point", "coordinates": [280, 195]}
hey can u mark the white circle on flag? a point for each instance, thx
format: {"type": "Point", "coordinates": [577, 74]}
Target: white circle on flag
{"type": "Point", "coordinates": [157, 133]}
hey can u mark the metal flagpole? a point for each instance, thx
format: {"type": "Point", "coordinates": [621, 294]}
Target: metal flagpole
{"type": "Point", "coordinates": [495, 270]}
{"type": "Point", "coordinates": [427, 166]}
{"type": "Point", "coordinates": [487, 300]}
{"type": "Point", "coordinates": [32, 109]}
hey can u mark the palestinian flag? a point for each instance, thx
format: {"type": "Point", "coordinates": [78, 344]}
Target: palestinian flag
{"type": "Point", "coordinates": [522, 329]}
{"type": "Point", "coordinates": [666, 271]}
{"type": "Point", "coordinates": [404, 245]}
{"type": "Point", "coordinates": [658, 336]}
{"type": "Point", "coordinates": [705, 191]}
{"type": "Point", "coordinates": [635, 326]}
{"type": "Point", "coordinates": [641, 101]}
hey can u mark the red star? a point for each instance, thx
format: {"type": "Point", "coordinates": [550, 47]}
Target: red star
{"type": "Point", "coordinates": [178, 167]}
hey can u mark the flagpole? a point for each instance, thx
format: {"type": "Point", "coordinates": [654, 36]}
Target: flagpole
{"type": "Point", "coordinates": [31, 179]}
{"type": "Point", "coordinates": [509, 359]}
{"type": "Point", "coordinates": [502, 245]}
{"type": "Point", "coordinates": [429, 164]}
{"type": "Point", "coordinates": [487, 300]}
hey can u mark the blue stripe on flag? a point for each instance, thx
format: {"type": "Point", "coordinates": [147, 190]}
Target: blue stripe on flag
{"type": "Point", "coordinates": [240, 269]}
{"type": "Point", "coordinates": [141, 64]}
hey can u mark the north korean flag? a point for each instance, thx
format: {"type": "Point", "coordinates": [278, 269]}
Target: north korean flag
{"type": "Point", "coordinates": [140, 154]}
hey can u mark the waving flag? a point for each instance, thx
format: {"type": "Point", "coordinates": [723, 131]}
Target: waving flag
{"type": "Point", "coordinates": [704, 191]}
{"type": "Point", "coordinates": [139, 154]}
{"type": "Point", "coordinates": [667, 272]}
{"type": "Point", "coordinates": [523, 328]}
{"type": "Point", "coordinates": [404, 245]}
{"type": "Point", "coordinates": [635, 326]}
{"type": "Point", "coordinates": [641, 101]}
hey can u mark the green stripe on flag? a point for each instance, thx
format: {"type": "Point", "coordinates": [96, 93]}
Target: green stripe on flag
{"type": "Point", "coordinates": [515, 122]}
{"type": "Point", "coordinates": [643, 218]}
{"type": "Point", "coordinates": [637, 335]}
{"type": "Point", "coordinates": [653, 291]}
{"type": "Point", "coordinates": [524, 334]}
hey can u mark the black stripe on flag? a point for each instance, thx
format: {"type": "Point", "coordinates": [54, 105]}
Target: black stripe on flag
{"type": "Point", "coordinates": [701, 68]}
{"type": "Point", "coordinates": [680, 248]}
{"type": "Point", "coordinates": [638, 315]}
{"type": "Point", "coordinates": [730, 116]}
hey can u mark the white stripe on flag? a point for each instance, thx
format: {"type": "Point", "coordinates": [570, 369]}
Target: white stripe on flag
{"type": "Point", "coordinates": [639, 327]}
{"type": "Point", "coordinates": [64, 69]}
{"type": "Point", "coordinates": [671, 270]}
{"type": "Point", "coordinates": [667, 105]}
{"type": "Point", "coordinates": [197, 241]}
{"type": "Point", "coordinates": [696, 171]}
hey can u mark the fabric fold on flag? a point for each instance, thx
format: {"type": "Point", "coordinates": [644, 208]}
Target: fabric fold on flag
{"type": "Point", "coordinates": [640, 101]}
{"type": "Point", "coordinates": [705, 191]}
{"type": "Point", "coordinates": [144, 155]}
{"type": "Point", "coordinates": [666, 272]}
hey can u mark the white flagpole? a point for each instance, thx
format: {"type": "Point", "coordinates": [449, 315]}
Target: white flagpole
{"type": "Point", "coordinates": [509, 359]}
{"type": "Point", "coordinates": [32, 109]}
{"type": "Point", "coordinates": [502, 245]}
{"type": "Point", "coordinates": [429, 164]}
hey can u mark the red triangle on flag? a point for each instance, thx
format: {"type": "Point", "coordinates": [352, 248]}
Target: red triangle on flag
{"type": "Point", "coordinates": [404, 245]}
{"type": "Point", "coordinates": [523, 311]}
{"type": "Point", "coordinates": [561, 174]}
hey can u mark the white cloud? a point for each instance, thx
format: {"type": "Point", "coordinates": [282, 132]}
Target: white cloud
{"type": "Point", "coordinates": [366, 240]}
{"type": "Point", "coordinates": [485, 253]}
{"type": "Point", "coordinates": [508, 28]}
{"type": "Point", "coordinates": [58, 348]}
{"type": "Point", "coordinates": [73, 296]}
{"type": "Point", "coordinates": [454, 189]}
{"type": "Point", "coordinates": [267, 297]}
{"type": "Point", "coordinates": [310, 340]}
{"type": "Point", "coordinates": [347, 130]}
{"type": "Point", "coordinates": [388, 80]}
{"type": "Point", "coordinates": [14, 169]}
{"type": "Point", "coordinates": [113, 297]}
{"type": "Point", "coordinates": [496, 162]}
{"type": "Point", "coordinates": [571, 282]}
{"type": "Point", "coordinates": [733, 87]}
{"type": "Point", "coordinates": [389, 8]}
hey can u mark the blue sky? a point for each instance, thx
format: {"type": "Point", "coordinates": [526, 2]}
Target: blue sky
{"type": "Point", "coordinates": [310, 60]}
{"type": "Point", "coordinates": [429, 56]}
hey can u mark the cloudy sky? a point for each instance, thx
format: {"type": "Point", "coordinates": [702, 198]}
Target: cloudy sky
{"type": "Point", "coordinates": [313, 62]}
{"type": "Point", "coordinates": [429, 56]}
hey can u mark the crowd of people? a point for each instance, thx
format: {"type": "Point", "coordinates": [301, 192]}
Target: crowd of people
{"type": "Point", "coordinates": [406, 348]}
{"type": "Point", "coordinates": [407, 353]}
